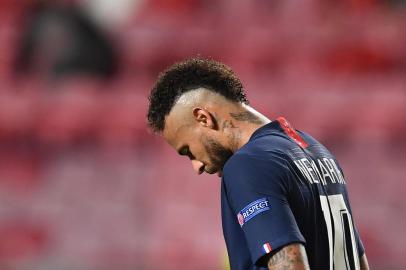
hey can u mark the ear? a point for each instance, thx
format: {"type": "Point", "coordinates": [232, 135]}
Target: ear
{"type": "Point", "coordinates": [204, 118]}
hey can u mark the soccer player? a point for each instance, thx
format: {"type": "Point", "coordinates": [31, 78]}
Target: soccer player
{"type": "Point", "coordinates": [284, 198]}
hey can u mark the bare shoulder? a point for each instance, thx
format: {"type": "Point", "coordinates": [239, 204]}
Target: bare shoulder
{"type": "Point", "coordinates": [290, 257]}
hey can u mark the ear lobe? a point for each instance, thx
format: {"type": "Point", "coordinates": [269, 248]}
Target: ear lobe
{"type": "Point", "coordinates": [203, 117]}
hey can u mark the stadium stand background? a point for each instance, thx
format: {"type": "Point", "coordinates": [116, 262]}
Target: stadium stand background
{"type": "Point", "coordinates": [84, 185]}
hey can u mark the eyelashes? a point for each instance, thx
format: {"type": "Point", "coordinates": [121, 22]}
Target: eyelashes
{"type": "Point", "coordinates": [186, 152]}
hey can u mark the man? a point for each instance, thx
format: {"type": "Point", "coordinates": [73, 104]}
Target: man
{"type": "Point", "coordinates": [284, 198]}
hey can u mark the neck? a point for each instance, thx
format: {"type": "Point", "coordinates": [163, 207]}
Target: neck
{"type": "Point", "coordinates": [243, 123]}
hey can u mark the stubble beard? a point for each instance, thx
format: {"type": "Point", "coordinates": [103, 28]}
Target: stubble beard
{"type": "Point", "coordinates": [218, 155]}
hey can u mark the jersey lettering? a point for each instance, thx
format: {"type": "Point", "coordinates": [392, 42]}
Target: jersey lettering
{"type": "Point", "coordinates": [327, 170]}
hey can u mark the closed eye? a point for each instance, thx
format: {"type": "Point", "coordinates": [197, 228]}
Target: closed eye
{"type": "Point", "coordinates": [184, 151]}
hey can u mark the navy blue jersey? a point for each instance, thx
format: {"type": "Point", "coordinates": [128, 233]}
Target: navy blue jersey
{"type": "Point", "coordinates": [285, 187]}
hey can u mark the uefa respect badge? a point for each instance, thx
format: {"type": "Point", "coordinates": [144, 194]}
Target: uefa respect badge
{"type": "Point", "coordinates": [252, 210]}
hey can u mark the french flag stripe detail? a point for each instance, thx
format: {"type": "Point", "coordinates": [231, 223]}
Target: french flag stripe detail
{"type": "Point", "coordinates": [267, 248]}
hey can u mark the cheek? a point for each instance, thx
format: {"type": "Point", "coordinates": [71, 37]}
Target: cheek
{"type": "Point", "coordinates": [199, 149]}
{"type": "Point", "coordinates": [199, 152]}
{"type": "Point", "coordinates": [197, 140]}
{"type": "Point", "coordinates": [208, 146]}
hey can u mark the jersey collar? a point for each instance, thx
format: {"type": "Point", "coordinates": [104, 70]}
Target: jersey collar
{"type": "Point", "coordinates": [265, 130]}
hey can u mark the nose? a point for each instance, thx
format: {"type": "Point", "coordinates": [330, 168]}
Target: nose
{"type": "Point", "coordinates": [198, 166]}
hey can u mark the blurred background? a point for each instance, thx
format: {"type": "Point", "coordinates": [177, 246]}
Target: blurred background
{"type": "Point", "coordinates": [84, 185]}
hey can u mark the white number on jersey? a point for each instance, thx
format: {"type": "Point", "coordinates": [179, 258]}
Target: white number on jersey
{"type": "Point", "coordinates": [341, 237]}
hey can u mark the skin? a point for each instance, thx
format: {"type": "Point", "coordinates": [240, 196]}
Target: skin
{"type": "Point", "coordinates": [291, 257]}
{"type": "Point", "coordinates": [208, 128]}
{"type": "Point", "coordinates": [364, 263]}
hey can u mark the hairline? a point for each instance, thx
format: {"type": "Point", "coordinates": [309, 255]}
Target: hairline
{"type": "Point", "coordinates": [206, 90]}
{"type": "Point", "coordinates": [218, 79]}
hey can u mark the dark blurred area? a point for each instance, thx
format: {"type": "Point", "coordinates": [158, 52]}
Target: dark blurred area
{"type": "Point", "coordinates": [84, 185]}
{"type": "Point", "coordinates": [60, 41]}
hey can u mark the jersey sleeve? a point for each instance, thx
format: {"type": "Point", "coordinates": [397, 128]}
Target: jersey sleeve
{"type": "Point", "coordinates": [257, 190]}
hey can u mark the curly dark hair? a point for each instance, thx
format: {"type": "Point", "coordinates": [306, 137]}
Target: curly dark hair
{"type": "Point", "coordinates": [188, 75]}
